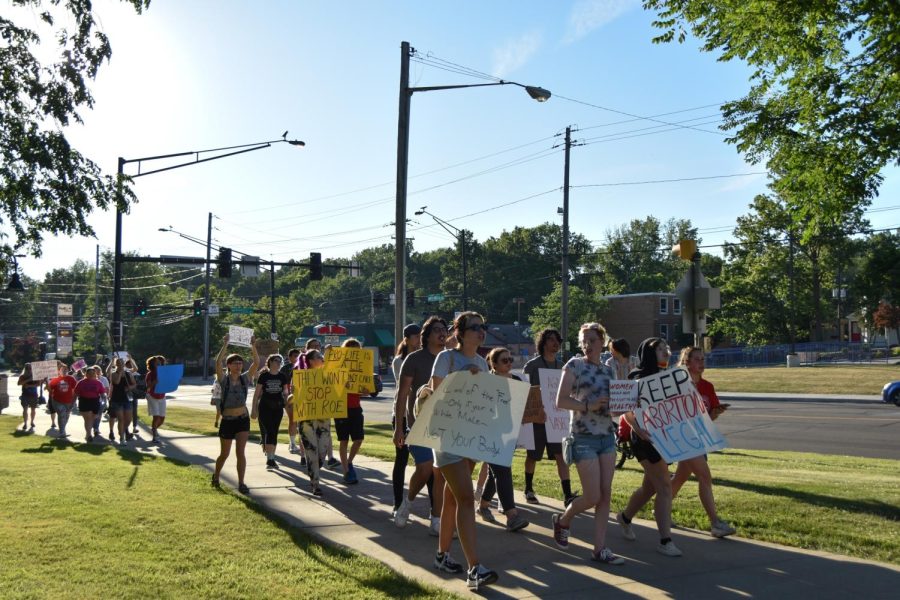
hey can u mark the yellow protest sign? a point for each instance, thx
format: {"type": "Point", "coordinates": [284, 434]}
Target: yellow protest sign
{"type": "Point", "coordinates": [319, 394]}
{"type": "Point", "coordinates": [356, 366]}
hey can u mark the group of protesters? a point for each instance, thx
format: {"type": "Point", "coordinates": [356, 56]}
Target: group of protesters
{"type": "Point", "coordinates": [425, 357]}
{"type": "Point", "coordinates": [429, 354]}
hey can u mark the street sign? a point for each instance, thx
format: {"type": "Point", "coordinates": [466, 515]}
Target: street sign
{"type": "Point", "coordinates": [63, 310]}
{"type": "Point", "coordinates": [213, 310]}
{"type": "Point", "coordinates": [242, 310]}
{"type": "Point", "coordinates": [435, 297]}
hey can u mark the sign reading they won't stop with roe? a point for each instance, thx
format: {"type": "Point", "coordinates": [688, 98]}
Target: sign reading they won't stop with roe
{"type": "Point", "coordinates": [672, 411]}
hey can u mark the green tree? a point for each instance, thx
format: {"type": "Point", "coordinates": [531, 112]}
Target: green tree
{"type": "Point", "coordinates": [584, 307]}
{"type": "Point", "coordinates": [822, 109]}
{"type": "Point", "coordinates": [878, 274]}
{"type": "Point", "coordinates": [46, 185]}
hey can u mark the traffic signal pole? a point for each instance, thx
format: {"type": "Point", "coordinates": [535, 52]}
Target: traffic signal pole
{"type": "Point", "coordinates": [206, 300]}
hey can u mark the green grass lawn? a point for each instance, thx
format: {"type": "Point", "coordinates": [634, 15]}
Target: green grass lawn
{"type": "Point", "coordinates": [840, 504]}
{"type": "Point", "coordinates": [83, 521]}
{"type": "Point", "coordinates": [819, 379]}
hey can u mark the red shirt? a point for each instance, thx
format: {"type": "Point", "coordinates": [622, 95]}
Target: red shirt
{"type": "Point", "coordinates": [353, 400]}
{"type": "Point", "coordinates": [62, 389]}
{"type": "Point", "coordinates": [89, 389]}
{"type": "Point", "coordinates": [708, 393]}
{"type": "Point", "coordinates": [150, 378]}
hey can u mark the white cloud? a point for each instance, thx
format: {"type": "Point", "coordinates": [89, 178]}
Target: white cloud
{"type": "Point", "coordinates": [588, 15]}
{"type": "Point", "coordinates": [515, 53]}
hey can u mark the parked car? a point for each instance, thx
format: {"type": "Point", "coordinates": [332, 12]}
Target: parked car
{"type": "Point", "coordinates": [379, 385]}
{"type": "Point", "coordinates": [891, 393]}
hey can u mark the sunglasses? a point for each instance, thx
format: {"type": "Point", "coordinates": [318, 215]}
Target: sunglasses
{"type": "Point", "coordinates": [506, 361]}
{"type": "Point", "coordinates": [479, 327]}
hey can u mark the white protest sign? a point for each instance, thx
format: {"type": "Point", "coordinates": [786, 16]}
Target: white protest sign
{"type": "Point", "coordinates": [557, 423]}
{"type": "Point", "coordinates": [63, 346]}
{"type": "Point", "coordinates": [526, 437]}
{"type": "Point", "coordinates": [623, 396]}
{"type": "Point", "coordinates": [43, 369]}
{"type": "Point", "coordinates": [671, 409]}
{"type": "Point", "coordinates": [476, 416]}
{"type": "Point", "coordinates": [239, 336]}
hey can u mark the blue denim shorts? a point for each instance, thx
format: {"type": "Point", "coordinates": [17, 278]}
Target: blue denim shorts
{"type": "Point", "coordinates": [589, 447]}
{"type": "Point", "coordinates": [421, 454]}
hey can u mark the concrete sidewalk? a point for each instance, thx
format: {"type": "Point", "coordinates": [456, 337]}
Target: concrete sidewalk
{"type": "Point", "coordinates": [530, 565]}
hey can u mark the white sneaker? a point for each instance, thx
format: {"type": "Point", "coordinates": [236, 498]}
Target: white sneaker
{"type": "Point", "coordinates": [401, 517]}
{"type": "Point", "coordinates": [722, 529]}
{"type": "Point", "coordinates": [627, 531]}
{"type": "Point", "coordinates": [435, 529]}
{"type": "Point", "coordinates": [669, 549]}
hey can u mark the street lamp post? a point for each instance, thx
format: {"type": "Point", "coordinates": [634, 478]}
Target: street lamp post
{"type": "Point", "coordinates": [461, 235]}
{"type": "Point", "coordinates": [120, 175]}
{"type": "Point", "coordinates": [406, 92]}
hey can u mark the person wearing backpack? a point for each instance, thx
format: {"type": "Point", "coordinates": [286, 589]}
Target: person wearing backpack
{"type": "Point", "coordinates": [235, 425]}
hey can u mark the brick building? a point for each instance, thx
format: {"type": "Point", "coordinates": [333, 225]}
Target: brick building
{"type": "Point", "coordinates": [637, 317]}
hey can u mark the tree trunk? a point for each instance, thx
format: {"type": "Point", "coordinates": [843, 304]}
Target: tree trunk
{"type": "Point", "coordinates": [816, 295]}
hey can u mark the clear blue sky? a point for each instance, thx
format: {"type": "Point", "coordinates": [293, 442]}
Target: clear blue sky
{"type": "Point", "coordinates": [209, 73]}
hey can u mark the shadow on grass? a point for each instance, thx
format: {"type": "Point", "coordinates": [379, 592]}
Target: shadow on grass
{"type": "Point", "coordinates": [871, 507]}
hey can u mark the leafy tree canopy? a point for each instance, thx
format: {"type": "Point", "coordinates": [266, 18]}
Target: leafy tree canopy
{"type": "Point", "coordinates": [46, 185]}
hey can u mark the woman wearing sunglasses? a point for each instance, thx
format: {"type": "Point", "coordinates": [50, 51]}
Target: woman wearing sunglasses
{"type": "Point", "coordinates": [500, 477]}
{"type": "Point", "coordinates": [458, 511]}
{"type": "Point", "coordinates": [272, 388]}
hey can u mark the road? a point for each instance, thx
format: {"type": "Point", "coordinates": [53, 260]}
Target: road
{"type": "Point", "coordinates": [853, 427]}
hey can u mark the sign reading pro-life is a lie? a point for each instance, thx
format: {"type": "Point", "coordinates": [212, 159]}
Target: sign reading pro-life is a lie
{"type": "Point", "coordinates": [671, 409]}
{"type": "Point", "coordinates": [476, 416]}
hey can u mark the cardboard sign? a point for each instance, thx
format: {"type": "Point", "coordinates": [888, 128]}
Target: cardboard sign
{"type": "Point", "coordinates": [167, 378]}
{"type": "Point", "coordinates": [534, 408]}
{"type": "Point", "coordinates": [623, 396]}
{"type": "Point", "coordinates": [239, 336]}
{"type": "Point", "coordinates": [476, 416]}
{"type": "Point", "coordinates": [319, 394]}
{"type": "Point", "coordinates": [526, 437]}
{"type": "Point", "coordinates": [557, 422]}
{"type": "Point", "coordinates": [357, 364]}
{"type": "Point", "coordinates": [43, 369]}
{"type": "Point", "coordinates": [671, 409]}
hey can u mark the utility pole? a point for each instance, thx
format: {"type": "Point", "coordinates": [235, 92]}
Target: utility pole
{"type": "Point", "coordinates": [400, 216]}
{"type": "Point", "coordinates": [206, 300]}
{"type": "Point", "coordinates": [564, 326]}
{"type": "Point", "coordinates": [695, 285]}
{"type": "Point", "coordinates": [465, 269]}
{"type": "Point", "coordinates": [272, 297]}
{"type": "Point", "coordinates": [96, 303]}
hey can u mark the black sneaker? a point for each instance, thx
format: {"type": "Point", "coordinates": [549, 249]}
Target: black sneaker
{"type": "Point", "coordinates": [569, 499]}
{"type": "Point", "coordinates": [271, 464]}
{"type": "Point", "coordinates": [242, 488]}
{"type": "Point", "coordinates": [443, 562]}
{"type": "Point", "coordinates": [480, 575]}
{"type": "Point", "coordinates": [317, 491]}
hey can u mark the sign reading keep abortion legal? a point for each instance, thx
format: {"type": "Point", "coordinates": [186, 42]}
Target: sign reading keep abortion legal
{"type": "Point", "coordinates": [672, 411]}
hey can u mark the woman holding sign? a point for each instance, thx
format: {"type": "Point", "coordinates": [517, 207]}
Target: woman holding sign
{"type": "Point", "coordinates": [235, 425]}
{"type": "Point", "coordinates": [314, 434]}
{"type": "Point", "coordinates": [693, 360]}
{"type": "Point", "coordinates": [591, 445]}
{"type": "Point", "coordinates": [654, 355]}
{"type": "Point", "coordinates": [458, 511]}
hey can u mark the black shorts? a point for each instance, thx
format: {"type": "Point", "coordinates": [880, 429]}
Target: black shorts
{"type": "Point", "coordinates": [350, 428]}
{"type": "Point", "coordinates": [89, 405]}
{"type": "Point", "coordinates": [540, 443]}
{"type": "Point", "coordinates": [117, 407]}
{"type": "Point", "coordinates": [644, 450]}
{"type": "Point", "coordinates": [229, 428]}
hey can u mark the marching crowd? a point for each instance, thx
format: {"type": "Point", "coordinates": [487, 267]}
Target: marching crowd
{"type": "Point", "coordinates": [424, 358]}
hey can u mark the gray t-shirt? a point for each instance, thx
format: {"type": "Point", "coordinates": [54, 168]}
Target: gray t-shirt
{"type": "Point", "coordinates": [591, 381]}
{"type": "Point", "coordinates": [451, 361]}
{"type": "Point", "coordinates": [417, 365]}
{"type": "Point", "coordinates": [234, 394]}
{"type": "Point", "coordinates": [533, 366]}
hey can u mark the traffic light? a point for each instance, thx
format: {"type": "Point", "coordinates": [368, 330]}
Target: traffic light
{"type": "Point", "coordinates": [198, 308]}
{"type": "Point", "coordinates": [685, 249]}
{"type": "Point", "coordinates": [224, 261]}
{"type": "Point", "coordinates": [410, 298]}
{"type": "Point", "coordinates": [315, 266]}
{"type": "Point", "coordinates": [140, 308]}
